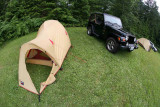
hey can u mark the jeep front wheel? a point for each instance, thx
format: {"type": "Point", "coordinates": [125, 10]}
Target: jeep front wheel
{"type": "Point", "coordinates": [112, 45]}
{"type": "Point", "coordinates": [89, 31]}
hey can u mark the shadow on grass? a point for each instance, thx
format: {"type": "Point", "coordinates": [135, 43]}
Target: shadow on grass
{"type": "Point", "coordinates": [38, 74]}
{"type": "Point", "coordinates": [99, 39]}
{"type": "Point", "coordinates": [123, 52]}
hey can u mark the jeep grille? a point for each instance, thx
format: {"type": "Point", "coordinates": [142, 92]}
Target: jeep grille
{"type": "Point", "coordinates": [131, 40]}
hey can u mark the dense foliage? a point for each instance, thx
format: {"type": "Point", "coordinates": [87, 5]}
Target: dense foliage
{"type": "Point", "coordinates": [19, 17]}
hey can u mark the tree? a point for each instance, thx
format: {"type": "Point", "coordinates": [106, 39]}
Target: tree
{"type": "Point", "coordinates": [81, 11]}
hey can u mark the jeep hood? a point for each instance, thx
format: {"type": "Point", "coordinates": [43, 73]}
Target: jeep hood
{"type": "Point", "coordinates": [123, 32]}
{"type": "Point", "coordinates": [119, 30]}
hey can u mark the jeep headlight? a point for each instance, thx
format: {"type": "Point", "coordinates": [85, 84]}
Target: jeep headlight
{"type": "Point", "coordinates": [134, 39]}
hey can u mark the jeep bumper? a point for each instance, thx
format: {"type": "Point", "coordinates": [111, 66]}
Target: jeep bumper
{"type": "Point", "coordinates": [131, 47]}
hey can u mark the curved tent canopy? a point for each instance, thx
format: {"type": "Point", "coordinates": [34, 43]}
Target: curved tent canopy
{"type": "Point", "coordinates": [53, 40]}
{"type": "Point", "coordinates": [145, 43]}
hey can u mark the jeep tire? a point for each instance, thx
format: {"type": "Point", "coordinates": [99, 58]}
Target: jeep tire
{"type": "Point", "coordinates": [112, 45]}
{"type": "Point", "coordinates": [89, 31]}
{"type": "Point", "coordinates": [130, 50]}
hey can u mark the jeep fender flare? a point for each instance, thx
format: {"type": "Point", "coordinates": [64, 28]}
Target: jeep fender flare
{"type": "Point", "coordinates": [115, 36]}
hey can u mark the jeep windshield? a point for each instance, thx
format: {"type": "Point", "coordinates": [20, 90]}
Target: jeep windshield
{"type": "Point", "coordinates": [113, 20]}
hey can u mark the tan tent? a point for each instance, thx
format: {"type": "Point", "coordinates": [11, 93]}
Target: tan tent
{"type": "Point", "coordinates": [48, 48]}
{"type": "Point", "coordinates": [145, 43]}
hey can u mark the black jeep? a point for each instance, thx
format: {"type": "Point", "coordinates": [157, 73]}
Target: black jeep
{"type": "Point", "coordinates": [110, 29]}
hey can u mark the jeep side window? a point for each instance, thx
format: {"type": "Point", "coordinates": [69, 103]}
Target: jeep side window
{"type": "Point", "coordinates": [99, 19]}
{"type": "Point", "coordinates": [92, 18]}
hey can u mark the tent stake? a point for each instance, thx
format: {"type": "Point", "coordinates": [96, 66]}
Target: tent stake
{"type": "Point", "coordinates": [39, 97]}
{"type": "Point", "coordinates": [61, 69]}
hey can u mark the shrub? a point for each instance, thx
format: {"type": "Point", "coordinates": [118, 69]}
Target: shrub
{"type": "Point", "coordinates": [17, 28]}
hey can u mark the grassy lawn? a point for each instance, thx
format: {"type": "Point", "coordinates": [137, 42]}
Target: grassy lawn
{"type": "Point", "coordinates": [122, 79]}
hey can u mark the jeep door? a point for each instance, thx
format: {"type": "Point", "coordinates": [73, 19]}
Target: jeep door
{"type": "Point", "coordinates": [92, 20]}
{"type": "Point", "coordinates": [99, 24]}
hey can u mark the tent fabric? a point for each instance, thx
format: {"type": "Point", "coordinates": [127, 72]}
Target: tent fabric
{"type": "Point", "coordinates": [48, 48]}
{"type": "Point", "coordinates": [145, 43]}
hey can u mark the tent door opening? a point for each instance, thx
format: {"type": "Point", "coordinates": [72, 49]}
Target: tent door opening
{"type": "Point", "coordinates": [34, 60]}
{"type": "Point", "coordinates": [35, 56]}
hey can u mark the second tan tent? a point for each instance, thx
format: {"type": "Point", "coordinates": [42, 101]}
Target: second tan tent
{"type": "Point", "coordinates": [145, 43]}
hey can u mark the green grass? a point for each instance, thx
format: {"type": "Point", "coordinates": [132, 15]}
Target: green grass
{"type": "Point", "coordinates": [122, 79]}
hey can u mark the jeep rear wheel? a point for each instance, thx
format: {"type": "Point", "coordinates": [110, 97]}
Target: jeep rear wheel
{"type": "Point", "coordinates": [112, 45]}
{"type": "Point", "coordinates": [89, 31]}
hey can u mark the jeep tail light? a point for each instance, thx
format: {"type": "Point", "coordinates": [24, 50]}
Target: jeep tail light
{"type": "Point", "coordinates": [124, 39]}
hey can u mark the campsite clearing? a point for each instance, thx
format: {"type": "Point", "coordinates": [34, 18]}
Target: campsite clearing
{"type": "Point", "coordinates": [121, 79]}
